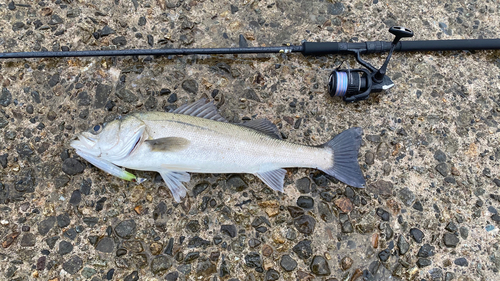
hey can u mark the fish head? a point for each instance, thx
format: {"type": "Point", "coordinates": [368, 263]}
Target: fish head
{"type": "Point", "coordinates": [117, 140]}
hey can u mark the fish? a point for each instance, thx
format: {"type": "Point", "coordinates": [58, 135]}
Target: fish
{"type": "Point", "coordinates": [195, 138]}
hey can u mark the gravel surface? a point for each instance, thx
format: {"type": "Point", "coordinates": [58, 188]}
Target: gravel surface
{"type": "Point", "coordinates": [430, 151]}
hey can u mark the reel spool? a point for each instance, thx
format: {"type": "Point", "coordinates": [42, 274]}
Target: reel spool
{"type": "Point", "coordinates": [357, 84]}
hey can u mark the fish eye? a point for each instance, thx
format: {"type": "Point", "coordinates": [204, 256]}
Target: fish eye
{"type": "Point", "coordinates": [96, 129]}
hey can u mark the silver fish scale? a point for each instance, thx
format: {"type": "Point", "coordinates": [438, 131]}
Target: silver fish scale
{"type": "Point", "coordinates": [219, 147]}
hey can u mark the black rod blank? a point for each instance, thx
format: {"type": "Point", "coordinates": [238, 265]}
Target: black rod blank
{"type": "Point", "coordinates": [307, 48]}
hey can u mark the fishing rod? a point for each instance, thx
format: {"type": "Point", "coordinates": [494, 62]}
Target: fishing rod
{"type": "Point", "coordinates": [350, 84]}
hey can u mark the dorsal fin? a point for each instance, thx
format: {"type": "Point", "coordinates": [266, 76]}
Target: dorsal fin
{"type": "Point", "coordinates": [202, 109]}
{"type": "Point", "coordinates": [264, 126]}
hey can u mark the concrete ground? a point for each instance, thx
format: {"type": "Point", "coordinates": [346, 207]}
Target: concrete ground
{"type": "Point", "coordinates": [430, 150]}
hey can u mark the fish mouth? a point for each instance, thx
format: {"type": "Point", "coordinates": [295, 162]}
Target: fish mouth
{"type": "Point", "coordinates": [86, 142]}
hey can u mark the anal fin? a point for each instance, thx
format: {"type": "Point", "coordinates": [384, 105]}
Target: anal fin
{"type": "Point", "coordinates": [274, 179]}
{"type": "Point", "coordinates": [174, 180]}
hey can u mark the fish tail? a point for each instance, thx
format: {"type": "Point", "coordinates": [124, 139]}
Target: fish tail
{"type": "Point", "coordinates": [345, 147]}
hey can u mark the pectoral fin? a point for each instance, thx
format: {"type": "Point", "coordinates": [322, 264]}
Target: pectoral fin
{"type": "Point", "coordinates": [174, 181]}
{"type": "Point", "coordinates": [169, 144]}
{"type": "Point", "coordinates": [274, 179]}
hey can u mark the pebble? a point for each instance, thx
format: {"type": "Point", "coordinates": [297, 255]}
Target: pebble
{"type": "Point", "coordinates": [383, 214]}
{"type": "Point", "coordinates": [324, 212]}
{"type": "Point", "coordinates": [190, 86]}
{"type": "Point", "coordinates": [3, 160]}
{"type": "Point", "coordinates": [73, 265]}
{"type": "Point", "coordinates": [193, 226]}
{"type": "Point", "coordinates": [344, 204]}
{"type": "Point", "coordinates": [381, 188]}
{"type": "Point", "coordinates": [418, 206]}
{"type": "Point", "coordinates": [126, 95]}
{"type": "Point", "coordinates": [384, 255]}
{"type": "Point", "coordinates": [3, 123]}
{"type": "Point", "coordinates": [451, 227]}
{"type": "Point", "coordinates": [10, 135]}
{"type": "Point", "coordinates": [461, 262]}
{"type": "Point", "coordinates": [464, 232]}
{"type": "Point", "coordinates": [423, 262]}
{"type": "Point", "coordinates": [29, 109]}
{"type": "Point", "coordinates": [106, 30]}
{"type": "Point", "coordinates": [76, 197]}
{"type": "Point", "coordinates": [41, 262]}
{"type": "Point", "coordinates": [142, 21]}
{"type": "Point", "coordinates": [288, 263]}
{"type": "Point", "coordinates": [267, 250]}
{"type": "Point", "coordinates": [46, 225]}
{"type": "Point", "coordinates": [253, 259]}
{"type": "Point", "coordinates": [126, 229]}
{"type": "Point", "coordinates": [236, 183]}
{"type": "Point", "coordinates": [440, 156]}
{"type": "Point", "coordinates": [51, 241]}
{"type": "Point", "coordinates": [105, 245]}
{"type": "Point", "coordinates": [374, 138]}
{"type": "Point", "coordinates": [346, 263]}
{"type": "Point", "coordinates": [250, 94]}
{"type": "Point", "coordinates": [303, 249]}
{"type": "Point", "coordinates": [133, 246]}
{"type": "Point", "coordinates": [319, 266]}
{"type": "Point", "coordinates": [450, 240]}
{"type": "Point", "coordinates": [102, 92]}
{"type": "Point", "coordinates": [121, 252]}
{"type": "Point", "coordinates": [119, 41]}
{"type": "Point", "coordinates": [54, 80]}
{"type": "Point", "coordinates": [305, 202]}
{"type": "Point", "coordinates": [417, 235]}
{"type": "Point", "coordinates": [172, 98]}
{"type": "Point", "coordinates": [63, 220]}
{"type": "Point", "coordinates": [242, 41]}
{"type": "Point", "coordinates": [443, 169]}
{"type": "Point", "coordinates": [272, 275]}
{"type": "Point", "coordinates": [303, 185]}
{"type": "Point", "coordinates": [426, 251]}
{"type": "Point", "coordinates": [449, 276]}
{"type": "Point", "coordinates": [229, 230]}
{"type": "Point", "coordinates": [28, 240]}
{"type": "Point", "coordinates": [72, 166]}
{"type": "Point", "coordinates": [369, 158]}
{"type": "Point", "coordinates": [305, 224]}
{"type": "Point", "coordinates": [252, 243]}
{"type": "Point", "coordinates": [172, 276]}
{"type": "Point", "coordinates": [134, 276]}
{"type": "Point", "coordinates": [191, 256]}
{"type": "Point", "coordinates": [65, 247]}
{"type": "Point", "coordinates": [205, 268]}
{"type": "Point", "coordinates": [5, 97]}
{"type": "Point", "coordinates": [497, 182]}
{"type": "Point", "coordinates": [406, 196]}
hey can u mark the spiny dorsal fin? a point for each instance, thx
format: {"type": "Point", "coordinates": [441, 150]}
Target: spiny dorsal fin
{"type": "Point", "coordinates": [264, 126]}
{"type": "Point", "coordinates": [202, 109]}
{"type": "Point", "coordinates": [169, 144]}
{"type": "Point", "coordinates": [274, 179]}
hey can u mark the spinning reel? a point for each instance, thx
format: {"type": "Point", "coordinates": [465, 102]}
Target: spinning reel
{"type": "Point", "coordinates": [357, 84]}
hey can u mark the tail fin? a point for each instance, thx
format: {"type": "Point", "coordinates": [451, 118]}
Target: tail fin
{"type": "Point", "coordinates": [345, 148]}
